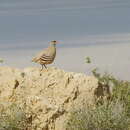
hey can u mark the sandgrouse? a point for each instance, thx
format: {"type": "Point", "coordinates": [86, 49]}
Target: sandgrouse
{"type": "Point", "coordinates": [46, 56]}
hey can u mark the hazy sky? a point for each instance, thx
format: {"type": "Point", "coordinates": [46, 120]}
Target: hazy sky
{"type": "Point", "coordinates": [30, 24]}
{"type": "Point", "coordinates": [27, 22]}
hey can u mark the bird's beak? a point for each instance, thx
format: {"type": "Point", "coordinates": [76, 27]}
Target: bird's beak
{"type": "Point", "coordinates": [57, 42]}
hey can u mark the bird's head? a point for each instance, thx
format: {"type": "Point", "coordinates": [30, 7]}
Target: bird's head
{"type": "Point", "coordinates": [53, 43]}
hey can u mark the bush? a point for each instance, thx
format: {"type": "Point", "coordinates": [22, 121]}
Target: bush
{"type": "Point", "coordinates": [13, 118]}
{"type": "Point", "coordinates": [111, 113]}
{"type": "Point", "coordinates": [1, 60]}
{"type": "Point", "coordinates": [103, 117]}
{"type": "Point", "coordinates": [117, 90]}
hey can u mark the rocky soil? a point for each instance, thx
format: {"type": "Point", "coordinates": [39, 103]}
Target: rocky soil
{"type": "Point", "coordinates": [48, 96]}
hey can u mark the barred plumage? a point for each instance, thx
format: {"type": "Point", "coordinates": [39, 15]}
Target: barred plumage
{"type": "Point", "coordinates": [47, 56]}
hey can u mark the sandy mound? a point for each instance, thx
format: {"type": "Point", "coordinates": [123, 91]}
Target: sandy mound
{"type": "Point", "coordinates": [48, 96]}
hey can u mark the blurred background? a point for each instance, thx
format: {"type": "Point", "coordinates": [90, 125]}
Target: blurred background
{"type": "Point", "coordinates": [99, 29]}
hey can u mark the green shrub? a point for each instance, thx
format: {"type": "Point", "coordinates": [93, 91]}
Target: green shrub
{"type": "Point", "coordinates": [103, 117]}
{"type": "Point", "coordinates": [118, 90]}
{"type": "Point", "coordinates": [111, 113]}
{"type": "Point", "coordinates": [88, 60]}
{"type": "Point", "coordinates": [13, 118]}
{"type": "Point", "coordinates": [1, 60]}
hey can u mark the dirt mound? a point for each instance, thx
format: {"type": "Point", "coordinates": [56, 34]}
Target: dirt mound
{"type": "Point", "coordinates": [48, 96]}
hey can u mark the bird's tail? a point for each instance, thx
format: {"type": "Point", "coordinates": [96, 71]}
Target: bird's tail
{"type": "Point", "coordinates": [34, 59]}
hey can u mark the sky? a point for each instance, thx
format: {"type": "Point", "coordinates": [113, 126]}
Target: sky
{"type": "Point", "coordinates": [28, 26]}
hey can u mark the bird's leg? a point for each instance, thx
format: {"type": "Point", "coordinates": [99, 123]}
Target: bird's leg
{"type": "Point", "coordinates": [42, 68]}
{"type": "Point", "coordinates": [45, 66]}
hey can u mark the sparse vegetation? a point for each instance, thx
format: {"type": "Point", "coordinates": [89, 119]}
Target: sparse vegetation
{"type": "Point", "coordinates": [1, 60]}
{"type": "Point", "coordinates": [112, 109]}
{"type": "Point", "coordinates": [13, 118]}
{"type": "Point", "coordinates": [118, 90]}
{"type": "Point", "coordinates": [103, 117]}
{"type": "Point", "coordinates": [88, 60]}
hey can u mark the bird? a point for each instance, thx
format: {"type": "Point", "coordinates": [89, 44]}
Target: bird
{"type": "Point", "coordinates": [46, 56]}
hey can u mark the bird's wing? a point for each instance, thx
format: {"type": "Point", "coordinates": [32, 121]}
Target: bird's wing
{"type": "Point", "coordinates": [39, 55]}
